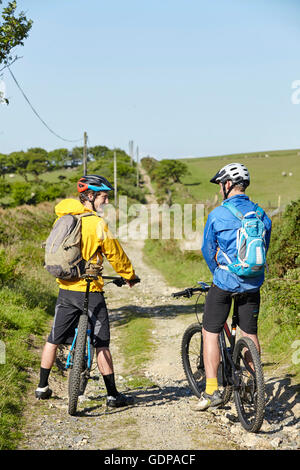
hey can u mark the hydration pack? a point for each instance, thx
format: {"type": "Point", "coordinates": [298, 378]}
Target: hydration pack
{"type": "Point", "coordinates": [63, 258]}
{"type": "Point", "coordinates": [250, 243]}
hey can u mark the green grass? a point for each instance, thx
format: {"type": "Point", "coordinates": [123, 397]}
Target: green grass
{"type": "Point", "coordinates": [27, 304]}
{"type": "Point", "coordinates": [24, 317]}
{"type": "Point", "coordinates": [267, 182]}
{"type": "Point", "coordinates": [179, 269]}
{"type": "Point", "coordinates": [135, 342]}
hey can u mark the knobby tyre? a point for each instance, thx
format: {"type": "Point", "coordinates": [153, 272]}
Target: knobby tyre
{"type": "Point", "coordinates": [192, 362]}
{"type": "Point", "coordinates": [75, 377]}
{"type": "Point", "coordinates": [85, 375]}
{"type": "Point", "coordinates": [192, 358]}
{"type": "Point", "coordinates": [249, 396]}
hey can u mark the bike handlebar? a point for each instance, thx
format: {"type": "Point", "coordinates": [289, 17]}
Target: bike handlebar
{"type": "Point", "coordinates": [190, 291]}
{"type": "Point", "coordinates": [120, 281]}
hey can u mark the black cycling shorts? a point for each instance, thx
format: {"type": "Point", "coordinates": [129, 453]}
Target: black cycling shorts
{"type": "Point", "coordinates": [68, 308]}
{"type": "Point", "coordinates": [217, 308]}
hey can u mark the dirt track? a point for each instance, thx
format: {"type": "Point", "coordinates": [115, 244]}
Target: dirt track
{"type": "Point", "coordinates": [161, 417]}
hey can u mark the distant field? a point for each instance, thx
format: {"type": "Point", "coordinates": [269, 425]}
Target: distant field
{"type": "Point", "coordinates": [267, 181]}
{"type": "Point", "coordinates": [50, 177]}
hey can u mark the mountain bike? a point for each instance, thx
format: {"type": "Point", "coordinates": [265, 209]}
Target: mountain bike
{"type": "Point", "coordinates": [80, 357]}
{"type": "Point", "coordinates": [240, 370]}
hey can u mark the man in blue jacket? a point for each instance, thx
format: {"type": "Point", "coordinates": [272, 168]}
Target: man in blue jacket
{"type": "Point", "coordinates": [219, 248]}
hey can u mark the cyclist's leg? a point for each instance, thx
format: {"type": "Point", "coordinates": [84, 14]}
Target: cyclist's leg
{"type": "Point", "coordinates": [216, 311]}
{"type": "Point", "coordinates": [248, 310]}
{"type": "Point", "coordinates": [104, 360]}
{"type": "Point", "coordinates": [48, 355]}
{"type": "Point", "coordinates": [101, 339]}
{"type": "Point", "coordinates": [105, 366]}
{"type": "Point", "coordinates": [211, 353]}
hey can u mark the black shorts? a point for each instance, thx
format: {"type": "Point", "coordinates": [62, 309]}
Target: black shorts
{"type": "Point", "coordinates": [217, 308]}
{"type": "Point", "coordinates": [68, 308]}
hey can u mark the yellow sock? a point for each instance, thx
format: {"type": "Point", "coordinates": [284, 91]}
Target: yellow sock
{"type": "Point", "coordinates": [211, 386]}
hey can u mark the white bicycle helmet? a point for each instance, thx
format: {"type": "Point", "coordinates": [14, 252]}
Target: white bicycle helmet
{"type": "Point", "coordinates": [235, 172]}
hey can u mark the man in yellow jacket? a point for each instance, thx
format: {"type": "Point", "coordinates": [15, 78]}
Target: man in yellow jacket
{"type": "Point", "coordinates": [96, 242]}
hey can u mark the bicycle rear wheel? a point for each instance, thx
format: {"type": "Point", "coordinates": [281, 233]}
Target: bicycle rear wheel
{"type": "Point", "coordinates": [193, 365]}
{"type": "Point", "coordinates": [78, 368]}
{"type": "Point", "coordinates": [249, 396]}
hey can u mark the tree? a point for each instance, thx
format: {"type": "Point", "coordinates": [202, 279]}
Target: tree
{"type": "Point", "coordinates": [18, 162]}
{"type": "Point", "coordinates": [37, 161]}
{"type": "Point", "coordinates": [75, 157]}
{"type": "Point", "coordinates": [173, 169]}
{"type": "Point", "coordinates": [150, 164]}
{"type": "Point", "coordinates": [3, 165]}
{"type": "Point", "coordinates": [99, 151]}
{"type": "Point", "coordinates": [13, 30]}
{"type": "Point", "coordinates": [58, 158]}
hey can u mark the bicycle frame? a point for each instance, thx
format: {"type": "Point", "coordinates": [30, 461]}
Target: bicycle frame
{"type": "Point", "coordinates": [229, 369]}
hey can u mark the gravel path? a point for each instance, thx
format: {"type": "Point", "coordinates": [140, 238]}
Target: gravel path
{"type": "Point", "coordinates": [161, 417]}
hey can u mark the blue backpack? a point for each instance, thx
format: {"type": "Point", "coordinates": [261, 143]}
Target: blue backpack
{"type": "Point", "coordinates": [250, 243]}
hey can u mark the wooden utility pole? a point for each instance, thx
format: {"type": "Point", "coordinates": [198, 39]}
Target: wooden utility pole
{"type": "Point", "coordinates": [84, 154]}
{"type": "Point", "coordinates": [115, 176]}
{"type": "Point", "coordinates": [137, 167]}
{"type": "Point", "coordinates": [131, 151]}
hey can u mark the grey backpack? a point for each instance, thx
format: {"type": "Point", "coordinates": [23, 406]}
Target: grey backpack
{"type": "Point", "coordinates": [63, 258]}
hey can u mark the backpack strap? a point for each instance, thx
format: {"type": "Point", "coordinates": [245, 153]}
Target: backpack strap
{"type": "Point", "coordinates": [259, 212]}
{"type": "Point", "coordinates": [233, 210]}
{"type": "Point", "coordinates": [256, 210]}
{"type": "Point", "coordinates": [87, 214]}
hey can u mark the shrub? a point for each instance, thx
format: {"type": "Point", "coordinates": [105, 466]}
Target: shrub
{"type": "Point", "coordinates": [7, 267]}
{"type": "Point", "coordinates": [49, 192]}
{"type": "Point", "coordinates": [21, 193]}
{"type": "Point", "coordinates": [284, 250]}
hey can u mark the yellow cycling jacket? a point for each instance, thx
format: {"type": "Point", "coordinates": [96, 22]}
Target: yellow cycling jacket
{"type": "Point", "coordinates": [96, 237]}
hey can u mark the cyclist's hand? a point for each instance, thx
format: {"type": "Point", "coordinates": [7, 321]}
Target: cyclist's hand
{"type": "Point", "coordinates": [132, 282]}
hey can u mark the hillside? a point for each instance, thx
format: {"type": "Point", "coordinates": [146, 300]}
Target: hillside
{"type": "Point", "coordinates": [274, 175]}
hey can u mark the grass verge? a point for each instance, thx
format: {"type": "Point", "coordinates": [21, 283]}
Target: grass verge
{"type": "Point", "coordinates": [179, 269]}
{"type": "Point", "coordinates": [27, 301]}
{"type": "Point", "coordinates": [135, 342]}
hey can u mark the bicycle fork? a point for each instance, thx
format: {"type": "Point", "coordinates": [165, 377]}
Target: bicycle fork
{"type": "Point", "coordinates": [88, 358]}
{"type": "Point", "coordinates": [69, 362]}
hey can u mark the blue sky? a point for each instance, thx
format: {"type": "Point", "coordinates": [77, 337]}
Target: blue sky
{"type": "Point", "coordinates": [178, 77]}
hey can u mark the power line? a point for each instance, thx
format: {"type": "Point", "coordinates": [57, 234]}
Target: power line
{"type": "Point", "coordinates": [37, 114]}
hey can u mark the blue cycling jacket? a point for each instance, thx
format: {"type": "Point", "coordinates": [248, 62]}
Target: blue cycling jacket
{"type": "Point", "coordinates": [220, 237]}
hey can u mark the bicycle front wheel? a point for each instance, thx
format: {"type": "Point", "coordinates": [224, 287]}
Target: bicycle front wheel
{"type": "Point", "coordinates": [249, 395]}
{"type": "Point", "coordinates": [193, 365]}
{"type": "Point", "coordinates": [78, 368]}
{"type": "Point", "coordinates": [192, 358]}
